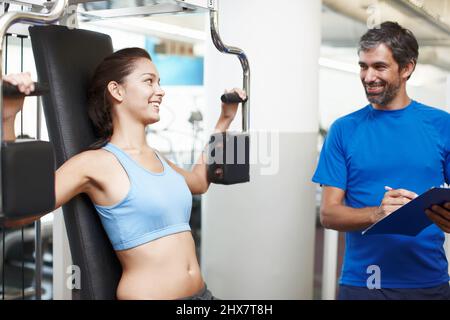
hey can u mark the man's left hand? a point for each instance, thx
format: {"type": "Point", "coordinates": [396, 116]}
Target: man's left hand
{"type": "Point", "coordinates": [440, 215]}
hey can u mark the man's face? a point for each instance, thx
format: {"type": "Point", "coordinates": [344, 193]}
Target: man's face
{"type": "Point", "coordinates": [380, 75]}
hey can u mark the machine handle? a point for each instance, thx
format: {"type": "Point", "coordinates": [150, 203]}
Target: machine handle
{"type": "Point", "coordinates": [232, 97]}
{"type": "Point", "coordinates": [11, 91]}
{"type": "Point", "coordinates": [214, 21]}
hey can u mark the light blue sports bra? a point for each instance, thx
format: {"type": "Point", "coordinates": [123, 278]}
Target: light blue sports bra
{"type": "Point", "coordinates": [157, 204]}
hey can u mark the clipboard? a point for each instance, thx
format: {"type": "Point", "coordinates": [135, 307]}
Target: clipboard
{"type": "Point", "coordinates": [410, 219]}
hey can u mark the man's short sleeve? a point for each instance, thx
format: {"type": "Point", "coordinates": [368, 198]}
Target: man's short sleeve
{"type": "Point", "coordinates": [447, 154]}
{"type": "Point", "coordinates": [332, 168]}
{"type": "Point", "coordinates": [447, 168]}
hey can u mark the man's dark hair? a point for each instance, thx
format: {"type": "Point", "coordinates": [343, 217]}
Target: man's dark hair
{"type": "Point", "coordinates": [401, 41]}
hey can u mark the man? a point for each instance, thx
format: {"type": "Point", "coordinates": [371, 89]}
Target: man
{"type": "Point", "coordinates": [376, 160]}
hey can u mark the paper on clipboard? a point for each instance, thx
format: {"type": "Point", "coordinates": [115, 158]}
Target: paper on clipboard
{"type": "Point", "coordinates": [411, 218]}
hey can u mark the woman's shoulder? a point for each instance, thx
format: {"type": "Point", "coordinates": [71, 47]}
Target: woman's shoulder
{"type": "Point", "coordinates": [92, 155]}
{"type": "Point", "coordinates": [96, 161]}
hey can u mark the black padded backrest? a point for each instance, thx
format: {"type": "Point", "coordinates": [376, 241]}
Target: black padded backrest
{"type": "Point", "coordinates": [66, 60]}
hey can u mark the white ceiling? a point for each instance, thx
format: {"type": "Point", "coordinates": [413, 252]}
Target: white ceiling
{"type": "Point", "coordinates": [343, 20]}
{"type": "Point", "coordinates": [343, 23]}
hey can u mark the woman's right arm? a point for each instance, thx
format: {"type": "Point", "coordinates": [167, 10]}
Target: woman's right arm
{"type": "Point", "coordinates": [71, 179]}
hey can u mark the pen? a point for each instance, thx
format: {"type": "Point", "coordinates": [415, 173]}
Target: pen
{"type": "Point", "coordinates": [387, 188]}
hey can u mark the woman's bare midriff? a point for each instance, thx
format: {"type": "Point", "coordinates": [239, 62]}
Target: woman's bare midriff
{"type": "Point", "coordinates": [166, 268]}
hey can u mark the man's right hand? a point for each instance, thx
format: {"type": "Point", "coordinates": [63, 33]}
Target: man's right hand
{"type": "Point", "coordinates": [13, 105]}
{"type": "Point", "coordinates": [393, 200]}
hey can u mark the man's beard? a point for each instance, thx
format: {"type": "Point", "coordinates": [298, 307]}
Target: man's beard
{"type": "Point", "coordinates": [386, 96]}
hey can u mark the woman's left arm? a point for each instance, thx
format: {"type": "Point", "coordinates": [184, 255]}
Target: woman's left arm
{"type": "Point", "coordinates": [197, 179]}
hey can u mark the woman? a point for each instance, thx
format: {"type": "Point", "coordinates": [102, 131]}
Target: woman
{"type": "Point", "coordinates": [143, 200]}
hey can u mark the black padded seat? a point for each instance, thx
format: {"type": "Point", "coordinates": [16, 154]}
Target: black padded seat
{"type": "Point", "coordinates": [66, 59]}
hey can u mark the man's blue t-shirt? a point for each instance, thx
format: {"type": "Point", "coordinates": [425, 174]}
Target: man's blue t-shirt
{"type": "Point", "coordinates": [409, 149]}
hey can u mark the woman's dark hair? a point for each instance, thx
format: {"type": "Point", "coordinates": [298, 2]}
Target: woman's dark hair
{"type": "Point", "coordinates": [115, 67]}
{"type": "Point", "coordinates": [399, 40]}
